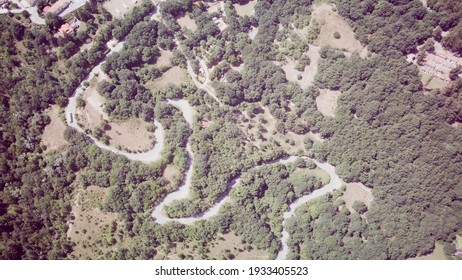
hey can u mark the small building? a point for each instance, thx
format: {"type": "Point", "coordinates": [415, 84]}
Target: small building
{"type": "Point", "coordinates": [69, 27]}
{"type": "Point", "coordinates": [66, 29]}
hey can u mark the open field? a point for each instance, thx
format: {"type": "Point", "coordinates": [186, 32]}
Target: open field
{"type": "Point", "coordinates": [247, 9]}
{"type": "Point", "coordinates": [118, 8]}
{"type": "Point", "coordinates": [174, 76]}
{"type": "Point", "coordinates": [327, 102]}
{"type": "Point", "coordinates": [234, 243]}
{"type": "Point", "coordinates": [332, 22]}
{"type": "Point", "coordinates": [93, 113]}
{"type": "Point", "coordinates": [53, 135]}
{"type": "Point", "coordinates": [170, 173]}
{"type": "Point", "coordinates": [430, 82]}
{"type": "Point", "coordinates": [227, 246]}
{"type": "Point", "coordinates": [214, 7]}
{"type": "Point", "coordinates": [356, 192]}
{"type": "Point", "coordinates": [164, 58]}
{"type": "Point", "coordinates": [94, 231]}
{"type": "Point", "coordinates": [187, 23]}
{"type": "Point", "coordinates": [131, 134]}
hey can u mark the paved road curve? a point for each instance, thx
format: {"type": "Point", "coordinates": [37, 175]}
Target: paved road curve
{"type": "Point", "coordinates": [149, 156]}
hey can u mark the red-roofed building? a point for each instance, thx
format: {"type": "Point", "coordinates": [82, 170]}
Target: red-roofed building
{"type": "Point", "coordinates": [66, 29]}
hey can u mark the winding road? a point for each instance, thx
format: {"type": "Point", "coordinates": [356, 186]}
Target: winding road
{"type": "Point", "coordinates": [335, 183]}
{"type": "Point", "coordinates": [184, 190]}
{"type": "Point", "coordinates": [149, 156]}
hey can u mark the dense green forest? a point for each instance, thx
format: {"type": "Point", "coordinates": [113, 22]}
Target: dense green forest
{"type": "Point", "coordinates": [36, 189]}
{"type": "Point", "coordinates": [386, 133]}
{"type": "Point", "coordinates": [449, 19]}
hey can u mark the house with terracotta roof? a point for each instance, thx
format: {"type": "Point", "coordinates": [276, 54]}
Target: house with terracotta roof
{"type": "Point", "coordinates": [66, 29]}
{"type": "Point", "coordinates": [69, 27]}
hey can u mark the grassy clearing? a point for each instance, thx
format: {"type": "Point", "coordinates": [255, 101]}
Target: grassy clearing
{"type": "Point", "coordinates": [53, 135]}
{"type": "Point", "coordinates": [430, 82]}
{"type": "Point", "coordinates": [331, 22]}
{"type": "Point", "coordinates": [317, 172]}
{"type": "Point", "coordinates": [131, 134]}
{"type": "Point", "coordinates": [261, 128]}
{"type": "Point", "coordinates": [227, 246]}
{"type": "Point", "coordinates": [171, 173]}
{"type": "Point", "coordinates": [306, 77]}
{"type": "Point", "coordinates": [247, 9]}
{"type": "Point", "coordinates": [164, 59]}
{"type": "Point", "coordinates": [175, 76]}
{"type": "Point", "coordinates": [187, 22]}
{"type": "Point", "coordinates": [94, 231]}
{"type": "Point", "coordinates": [93, 113]}
{"type": "Point", "coordinates": [327, 102]}
{"type": "Point", "coordinates": [118, 8]}
{"type": "Point", "coordinates": [356, 192]}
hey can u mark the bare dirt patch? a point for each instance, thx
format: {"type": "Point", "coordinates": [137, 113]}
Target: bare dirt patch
{"type": "Point", "coordinates": [93, 113]}
{"type": "Point", "coordinates": [131, 134]}
{"type": "Point", "coordinates": [327, 102]}
{"type": "Point", "coordinates": [94, 231]}
{"type": "Point", "coordinates": [238, 68]}
{"type": "Point", "coordinates": [118, 8]}
{"type": "Point", "coordinates": [357, 192]}
{"type": "Point", "coordinates": [247, 9]}
{"type": "Point", "coordinates": [53, 135]}
{"type": "Point", "coordinates": [214, 7]}
{"type": "Point", "coordinates": [164, 58]}
{"type": "Point", "coordinates": [332, 22]}
{"type": "Point", "coordinates": [187, 23]}
{"type": "Point", "coordinates": [171, 173]}
{"type": "Point", "coordinates": [174, 76]}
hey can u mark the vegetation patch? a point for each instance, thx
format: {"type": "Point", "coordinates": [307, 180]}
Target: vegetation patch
{"type": "Point", "coordinates": [437, 254]}
{"type": "Point", "coordinates": [356, 192]}
{"type": "Point", "coordinates": [53, 134]}
{"type": "Point", "coordinates": [164, 58]}
{"type": "Point", "coordinates": [327, 102]}
{"type": "Point", "coordinates": [334, 30]}
{"type": "Point", "coordinates": [173, 76]}
{"type": "Point", "coordinates": [93, 231]}
{"type": "Point", "coordinates": [131, 134]}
